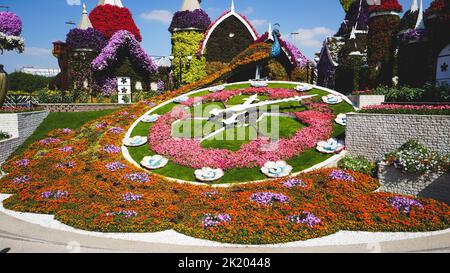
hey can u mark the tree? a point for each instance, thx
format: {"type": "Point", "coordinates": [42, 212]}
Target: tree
{"type": "Point", "coordinates": [19, 81]}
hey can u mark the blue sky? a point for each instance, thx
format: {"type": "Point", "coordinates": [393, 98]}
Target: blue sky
{"type": "Point", "coordinates": [44, 22]}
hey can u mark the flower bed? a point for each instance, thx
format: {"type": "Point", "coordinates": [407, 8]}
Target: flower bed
{"type": "Point", "coordinates": [101, 192]}
{"type": "Point", "coordinates": [12, 110]}
{"type": "Point", "coordinates": [407, 109]}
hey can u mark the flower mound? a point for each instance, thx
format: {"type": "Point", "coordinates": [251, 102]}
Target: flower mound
{"type": "Point", "coordinates": [86, 39]}
{"type": "Point", "coordinates": [109, 19]}
{"type": "Point", "coordinates": [197, 19]}
{"type": "Point", "coordinates": [95, 201]}
{"type": "Point", "coordinates": [341, 175]}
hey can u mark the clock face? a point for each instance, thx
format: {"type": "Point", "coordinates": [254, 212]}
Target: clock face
{"type": "Point", "coordinates": [237, 129]}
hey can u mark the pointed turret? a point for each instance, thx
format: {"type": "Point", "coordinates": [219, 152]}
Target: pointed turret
{"type": "Point", "coordinates": [85, 23]}
{"type": "Point", "coordinates": [111, 2]}
{"type": "Point", "coordinates": [414, 7]}
{"type": "Point", "coordinates": [190, 5]}
{"type": "Point", "coordinates": [420, 24]}
{"type": "Point", "coordinates": [233, 8]}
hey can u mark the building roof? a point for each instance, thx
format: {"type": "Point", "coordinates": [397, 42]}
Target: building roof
{"type": "Point", "coordinates": [85, 23]}
{"type": "Point", "coordinates": [190, 5]}
{"type": "Point", "coordinates": [111, 2]}
{"type": "Point", "coordinates": [331, 48]}
{"type": "Point", "coordinates": [231, 13]}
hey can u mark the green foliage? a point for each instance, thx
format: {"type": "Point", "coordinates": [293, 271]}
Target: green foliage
{"type": "Point", "coordinates": [358, 164]}
{"type": "Point", "coordinates": [428, 93]}
{"type": "Point", "coordinates": [51, 96]}
{"type": "Point", "coordinates": [4, 135]}
{"type": "Point", "coordinates": [276, 71]}
{"type": "Point", "coordinates": [186, 43]}
{"type": "Point", "coordinates": [19, 81]}
{"type": "Point", "coordinates": [415, 158]}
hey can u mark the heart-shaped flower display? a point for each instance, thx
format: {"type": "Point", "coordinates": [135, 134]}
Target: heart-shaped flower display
{"type": "Point", "coordinates": [208, 174]}
{"type": "Point", "coordinates": [181, 99]}
{"type": "Point", "coordinates": [276, 169]}
{"type": "Point", "coordinates": [332, 99]}
{"type": "Point", "coordinates": [135, 141]}
{"type": "Point", "coordinates": [259, 83]}
{"type": "Point", "coordinates": [341, 119]}
{"type": "Point", "coordinates": [330, 146]}
{"type": "Point", "coordinates": [303, 88]}
{"type": "Point", "coordinates": [150, 118]}
{"type": "Point", "coordinates": [154, 162]}
{"type": "Point", "coordinates": [218, 88]}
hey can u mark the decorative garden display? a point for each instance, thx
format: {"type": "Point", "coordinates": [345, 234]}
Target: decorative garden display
{"type": "Point", "coordinates": [10, 30]}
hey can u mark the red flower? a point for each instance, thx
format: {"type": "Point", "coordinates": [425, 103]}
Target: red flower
{"type": "Point", "coordinates": [109, 19]}
{"type": "Point", "coordinates": [386, 5]}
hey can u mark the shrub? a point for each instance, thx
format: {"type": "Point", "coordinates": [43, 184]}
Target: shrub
{"type": "Point", "coordinates": [415, 158]}
{"type": "Point", "coordinates": [407, 109]}
{"type": "Point", "coordinates": [358, 164]}
{"type": "Point", "coordinates": [403, 94]}
{"type": "Point", "coordinates": [51, 96]}
{"type": "Point", "coordinates": [19, 81]}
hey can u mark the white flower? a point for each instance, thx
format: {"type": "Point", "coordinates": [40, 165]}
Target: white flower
{"type": "Point", "coordinates": [303, 88]}
{"type": "Point", "coordinates": [332, 99]}
{"type": "Point", "coordinates": [276, 169]}
{"type": "Point", "coordinates": [341, 119]}
{"type": "Point", "coordinates": [218, 88]}
{"type": "Point", "coordinates": [150, 119]}
{"type": "Point", "coordinates": [208, 174]}
{"type": "Point", "coordinates": [259, 83]}
{"type": "Point", "coordinates": [181, 99]}
{"type": "Point", "coordinates": [330, 146]}
{"type": "Point", "coordinates": [154, 162]}
{"type": "Point", "coordinates": [135, 141]}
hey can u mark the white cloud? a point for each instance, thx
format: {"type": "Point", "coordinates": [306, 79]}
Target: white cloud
{"type": "Point", "coordinates": [249, 10]}
{"type": "Point", "coordinates": [73, 2]}
{"type": "Point", "coordinates": [37, 51]}
{"type": "Point", "coordinates": [312, 37]}
{"type": "Point", "coordinates": [259, 22]}
{"type": "Point", "coordinates": [163, 16]}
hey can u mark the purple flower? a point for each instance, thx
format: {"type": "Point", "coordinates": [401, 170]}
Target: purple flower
{"type": "Point", "coordinates": [197, 19]}
{"type": "Point", "coordinates": [412, 35]}
{"type": "Point", "coordinates": [138, 177]}
{"type": "Point", "coordinates": [109, 55]}
{"type": "Point", "coordinates": [86, 39]}
{"type": "Point", "coordinates": [10, 23]}
{"type": "Point", "coordinates": [131, 197]}
{"type": "Point", "coordinates": [292, 183]}
{"type": "Point", "coordinates": [306, 218]}
{"type": "Point", "coordinates": [404, 204]}
{"type": "Point", "coordinates": [269, 198]}
{"type": "Point", "coordinates": [23, 162]}
{"type": "Point", "coordinates": [115, 166]}
{"type": "Point", "coordinates": [210, 220]}
{"type": "Point", "coordinates": [22, 179]}
{"type": "Point", "coordinates": [341, 175]}
{"type": "Point", "coordinates": [54, 194]}
{"type": "Point", "coordinates": [67, 149]}
{"type": "Point", "coordinates": [124, 213]}
{"type": "Point", "coordinates": [49, 141]}
{"type": "Point", "coordinates": [66, 131]}
{"type": "Point", "coordinates": [66, 165]}
{"type": "Point", "coordinates": [296, 55]}
{"type": "Point", "coordinates": [116, 130]}
{"type": "Point", "coordinates": [101, 125]}
{"type": "Point", "coordinates": [111, 149]}
{"type": "Point", "coordinates": [211, 194]}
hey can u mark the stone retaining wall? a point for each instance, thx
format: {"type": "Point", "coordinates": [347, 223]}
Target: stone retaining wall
{"type": "Point", "coordinates": [361, 101]}
{"type": "Point", "coordinates": [20, 126]}
{"type": "Point", "coordinates": [375, 135]}
{"type": "Point", "coordinates": [81, 107]}
{"type": "Point", "coordinates": [434, 185]}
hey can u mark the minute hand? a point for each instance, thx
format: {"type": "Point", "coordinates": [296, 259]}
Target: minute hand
{"type": "Point", "coordinates": [241, 108]}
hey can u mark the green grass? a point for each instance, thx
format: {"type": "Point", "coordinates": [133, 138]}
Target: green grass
{"type": "Point", "coordinates": [240, 137]}
{"type": "Point", "coordinates": [205, 109]}
{"type": "Point", "coordinates": [61, 121]}
{"type": "Point", "coordinates": [287, 127]}
{"type": "Point", "coordinates": [165, 109]}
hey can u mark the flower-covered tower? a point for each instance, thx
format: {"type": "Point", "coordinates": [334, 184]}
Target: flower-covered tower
{"type": "Point", "coordinates": [413, 68]}
{"type": "Point", "coordinates": [384, 21]}
{"type": "Point", "coordinates": [187, 28]}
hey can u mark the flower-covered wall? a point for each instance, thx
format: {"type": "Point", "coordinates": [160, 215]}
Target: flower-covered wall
{"type": "Point", "coordinates": [184, 44]}
{"type": "Point", "coordinates": [384, 25]}
{"type": "Point", "coordinates": [10, 30]}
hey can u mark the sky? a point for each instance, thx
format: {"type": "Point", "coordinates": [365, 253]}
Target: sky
{"type": "Point", "coordinates": [44, 21]}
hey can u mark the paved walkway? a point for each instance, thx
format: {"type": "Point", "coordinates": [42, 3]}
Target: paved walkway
{"type": "Point", "coordinates": [22, 236]}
